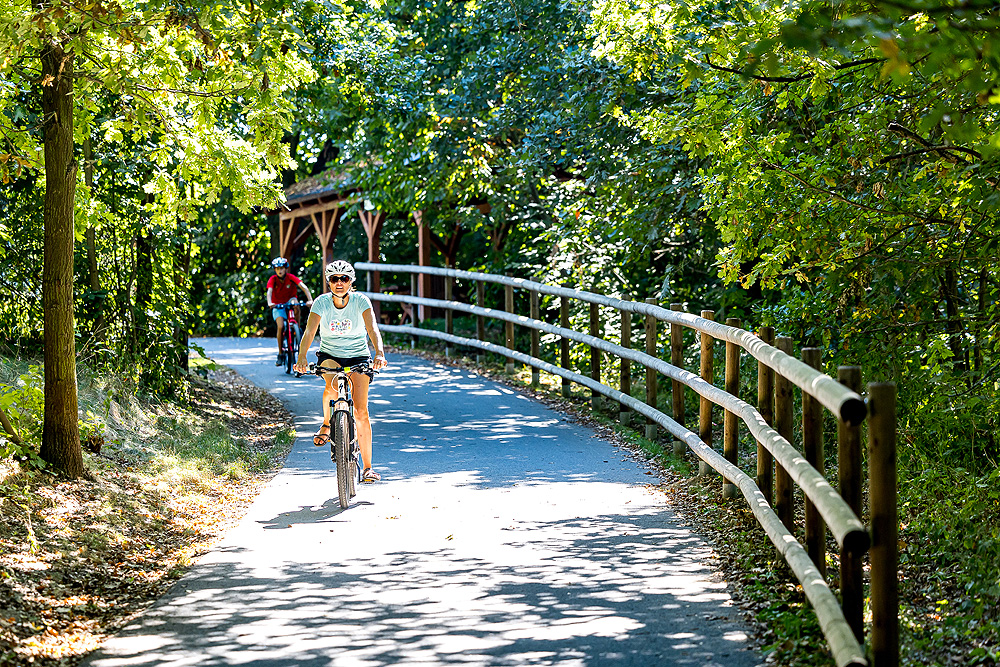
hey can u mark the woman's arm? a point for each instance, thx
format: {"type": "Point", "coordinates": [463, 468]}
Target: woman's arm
{"type": "Point", "coordinates": [379, 362]}
{"type": "Point", "coordinates": [307, 338]}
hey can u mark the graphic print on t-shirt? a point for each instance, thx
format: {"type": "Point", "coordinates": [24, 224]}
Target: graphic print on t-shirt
{"type": "Point", "coordinates": [340, 327]}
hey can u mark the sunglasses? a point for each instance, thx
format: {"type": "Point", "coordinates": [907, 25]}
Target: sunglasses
{"type": "Point", "coordinates": [340, 279]}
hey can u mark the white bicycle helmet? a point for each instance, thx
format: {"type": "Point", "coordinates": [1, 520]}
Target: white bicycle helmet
{"type": "Point", "coordinates": [340, 268]}
{"type": "Point", "coordinates": [279, 262]}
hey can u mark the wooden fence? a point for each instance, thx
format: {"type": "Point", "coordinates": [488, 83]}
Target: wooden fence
{"type": "Point", "coordinates": [769, 491]}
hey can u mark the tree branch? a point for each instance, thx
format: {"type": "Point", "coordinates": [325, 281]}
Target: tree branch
{"type": "Point", "coordinates": [758, 77]}
{"type": "Point", "coordinates": [791, 79]}
{"type": "Point", "coordinates": [849, 202]}
{"type": "Point", "coordinates": [943, 149]}
{"type": "Point", "coordinates": [932, 11]}
{"type": "Point", "coordinates": [7, 426]}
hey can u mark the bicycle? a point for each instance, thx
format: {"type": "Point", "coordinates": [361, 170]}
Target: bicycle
{"type": "Point", "coordinates": [292, 335]}
{"type": "Point", "coordinates": [344, 448]}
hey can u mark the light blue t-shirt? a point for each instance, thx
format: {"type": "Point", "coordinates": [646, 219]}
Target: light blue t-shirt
{"type": "Point", "coordinates": [342, 331]}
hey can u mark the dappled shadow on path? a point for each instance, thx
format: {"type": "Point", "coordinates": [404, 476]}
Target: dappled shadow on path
{"type": "Point", "coordinates": [612, 589]}
{"type": "Point", "coordinates": [503, 534]}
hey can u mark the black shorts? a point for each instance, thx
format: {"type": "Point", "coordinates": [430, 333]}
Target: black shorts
{"type": "Point", "coordinates": [343, 362]}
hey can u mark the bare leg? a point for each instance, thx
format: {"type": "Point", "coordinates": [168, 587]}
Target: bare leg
{"type": "Point", "coordinates": [281, 331]}
{"type": "Point", "coordinates": [329, 394]}
{"type": "Point", "coordinates": [359, 393]}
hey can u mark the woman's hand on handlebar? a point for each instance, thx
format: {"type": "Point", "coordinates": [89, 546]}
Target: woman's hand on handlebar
{"type": "Point", "coordinates": [301, 367]}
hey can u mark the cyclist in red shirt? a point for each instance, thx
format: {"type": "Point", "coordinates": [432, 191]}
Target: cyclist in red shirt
{"type": "Point", "coordinates": [283, 287]}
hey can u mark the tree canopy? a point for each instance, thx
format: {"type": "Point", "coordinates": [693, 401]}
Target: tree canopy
{"type": "Point", "coordinates": [828, 168]}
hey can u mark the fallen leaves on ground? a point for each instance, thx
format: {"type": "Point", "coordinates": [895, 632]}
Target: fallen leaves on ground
{"type": "Point", "coordinates": [80, 558]}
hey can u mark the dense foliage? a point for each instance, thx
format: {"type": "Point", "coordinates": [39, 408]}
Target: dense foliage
{"type": "Point", "coordinates": [828, 168]}
{"type": "Point", "coordinates": [136, 113]}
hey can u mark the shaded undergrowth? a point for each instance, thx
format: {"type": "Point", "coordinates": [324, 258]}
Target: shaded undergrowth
{"type": "Point", "coordinates": [78, 557]}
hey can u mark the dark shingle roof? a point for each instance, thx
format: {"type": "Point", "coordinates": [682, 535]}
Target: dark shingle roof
{"type": "Point", "coordinates": [330, 182]}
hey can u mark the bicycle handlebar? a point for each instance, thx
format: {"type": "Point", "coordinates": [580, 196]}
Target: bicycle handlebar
{"type": "Point", "coordinates": [363, 367]}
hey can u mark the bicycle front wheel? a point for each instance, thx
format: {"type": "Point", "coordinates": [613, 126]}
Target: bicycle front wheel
{"type": "Point", "coordinates": [342, 457]}
{"type": "Point", "coordinates": [355, 472]}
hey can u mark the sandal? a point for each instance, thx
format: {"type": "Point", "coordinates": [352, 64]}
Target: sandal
{"type": "Point", "coordinates": [369, 476]}
{"type": "Point", "coordinates": [322, 438]}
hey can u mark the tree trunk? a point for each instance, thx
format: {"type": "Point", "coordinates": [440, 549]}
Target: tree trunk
{"type": "Point", "coordinates": [953, 325]}
{"type": "Point", "coordinates": [182, 298]}
{"type": "Point", "coordinates": [141, 334]}
{"type": "Point", "coordinates": [91, 239]}
{"type": "Point", "coordinates": [61, 428]}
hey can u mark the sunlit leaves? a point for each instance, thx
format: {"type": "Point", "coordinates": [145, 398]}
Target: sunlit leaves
{"type": "Point", "coordinates": [211, 85]}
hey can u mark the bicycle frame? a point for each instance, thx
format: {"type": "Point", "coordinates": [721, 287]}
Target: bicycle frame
{"type": "Point", "coordinates": [344, 403]}
{"type": "Point", "coordinates": [291, 337]}
{"type": "Point", "coordinates": [290, 320]}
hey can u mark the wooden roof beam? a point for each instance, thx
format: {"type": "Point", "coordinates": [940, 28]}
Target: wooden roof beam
{"type": "Point", "coordinates": [308, 211]}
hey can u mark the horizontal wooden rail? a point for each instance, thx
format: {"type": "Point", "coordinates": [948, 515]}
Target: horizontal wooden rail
{"type": "Point", "coordinates": [824, 502]}
{"type": "Point", "coordinates": [843, 645]}
{"type": "Point", "coordinates": [838, 399]}
{"type": "Point", "coordinates": [848, 530]}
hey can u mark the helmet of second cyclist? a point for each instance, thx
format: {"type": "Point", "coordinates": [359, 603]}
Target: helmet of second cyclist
{"type": "Point", "coordinates": [279, 263]}
{"type": "Point", "coordinates": [339, 268]}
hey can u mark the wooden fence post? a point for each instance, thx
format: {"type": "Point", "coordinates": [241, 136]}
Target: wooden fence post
{"type": "Point", "coordinates": [784, 497]}
{"type": "Point", "coordinates": [650, 373]}
{"type": "Point", "coordinates": [884, 554]}
{"type": "Point", "coordinates": [705, 407]}
{"type": "Point", "coordinates": [449, 314]}
{"type": "Point", "coordinates": [812, 444]}
{"type": "Point", "coordinates": [765, 406]}
{"type": "Point", "coordinates": [414, 287]}
{"type": "Point", "coordinates": [595, 354]}
{"type": "Point", "coordinates": [480, 319]}
{"type": "Point", "coordinates": [509, 328]}
{"type": "Point", "coordinates": [677, 359]}
{"type": "Point", "coordinates": [852, 586]}
{"type": "Point", "coordinates": [535, 314]}
{"type": "Point", "coordinates": [676, 386]}
{"type": "Point", "coordinates": [625, 381]}
{"type": "Point", "coordinates": [731, 424]}
{"type": "Point", "coordinates": [564, 342]}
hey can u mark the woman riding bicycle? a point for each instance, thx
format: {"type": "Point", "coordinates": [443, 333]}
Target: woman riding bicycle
{"type": "Point", "coordinates": [345, 320]}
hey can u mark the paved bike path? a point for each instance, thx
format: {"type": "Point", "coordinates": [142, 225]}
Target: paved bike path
{"type": "Point", "coordinates": [501, 534]}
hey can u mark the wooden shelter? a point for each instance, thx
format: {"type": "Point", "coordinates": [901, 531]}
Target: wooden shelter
{"type": "Point", "coordinates": [314, 206]}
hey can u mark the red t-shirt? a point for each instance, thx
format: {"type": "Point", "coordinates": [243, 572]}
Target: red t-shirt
{"type": "Point", "coordinates": [283, 291]}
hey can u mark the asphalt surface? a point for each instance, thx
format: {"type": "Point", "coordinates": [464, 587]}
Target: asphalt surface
{"type": "Point", "coordinates": [501, 534]}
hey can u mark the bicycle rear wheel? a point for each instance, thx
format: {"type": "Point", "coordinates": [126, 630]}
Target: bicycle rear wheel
{"type": "Point", "coordinates": [291, 347]}
{"type": "Point", "coordinates": [342, 457]}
